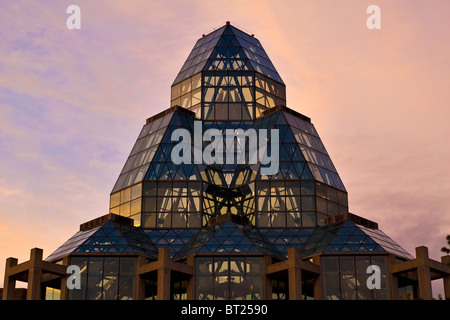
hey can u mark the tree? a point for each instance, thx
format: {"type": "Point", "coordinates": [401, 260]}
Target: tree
{"type": "Point", "coordinates": [444, 249]}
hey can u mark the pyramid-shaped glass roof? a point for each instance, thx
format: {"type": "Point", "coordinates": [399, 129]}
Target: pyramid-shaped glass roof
{"type": "Point", "coordinates": [229, 237]}
{"type": "Point", "coordinates": [110, 237]}
{"type": "Point", "coordinates": [348, 236]}
{"type": "Point", "coordinates": [228, 48]}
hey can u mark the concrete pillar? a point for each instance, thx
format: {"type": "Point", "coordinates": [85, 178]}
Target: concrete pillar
{"type": "Point", "coordinates": [423, 274]}
{"type": "Point", "coordinates": [295, 274]}
{"type": "Point", "coordinates": [34, 284]}
{"type": "Point", "coordinates": [446, 260]}
{"type": "Point", "coordinates": [35, 275]}
{"type": "Point", "coordinates": [190, 294]}
{"type": "Point", "coordinates": [318, 293]}
{"type": "Point", "coordinates": [140, 281]}
{"type": "Point", "coordinates": [393, 279]}
{"type": "Point", "coordinates": [9, 284]}
{"type": "Point", "coordinates": [64, 290]}
{"type": "Point", "coordinates": [36, 257]}
{"type": "Point", "coordinates": [424, 281]}
{"type": "Point", "coordinates": [267, 281]}
{"type": "Point", "coordinates": [163, 286]}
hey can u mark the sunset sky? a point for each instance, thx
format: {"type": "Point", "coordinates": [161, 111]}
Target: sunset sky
{"type": "Point", "coordinates": [72, 103]}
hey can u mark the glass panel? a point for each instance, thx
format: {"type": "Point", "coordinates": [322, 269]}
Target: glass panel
{"type": "Point", "coordinates": [95, 266]}
{"type": "Point", "coordinates": [136, 191]}
{"type": "Point", "coordinates": [308, 204]}
{"type": "Point", "coordinates": [186, 86]}
{"type": "Point", "coordinates": [149, 220]}
{"type": "Point", "coordinates": [176, 91]}
{"type": "Point", "coordinates": [125, 195]}
{"type": "Point", "coordinates": [348, 286]}
{"type": "Point", "coordinates": [308, 219]}
{"type": "Point", "coordinates": [110, 286]}
{"type": "Point", "coordinates": [221, 266]}
{"type": "Point", "coordinates": [205, 265]}
{"type": "Point", "coordinates": [307, 188]}
{"type": "Point", "coordinates": [128, 265]}
{"type": "Point", "coordinates": [94, 287]}
{"type": "Point", "coordinates": [111, 266]}
{"type": "Point", "coordinates": [205, 288]}
{"type": "Point", "coordinates": [115, 200]}
{"type": "Point", "coordinates": [78, 294]}
{"type": "Point", "coordinates": [126, 287]}
{"type": "Point", "coordinates": [321, 205]}
{"type": "Point", "coordinates": [331, 283]}
{"type": "Point", "coordinates": [221, 288]}
{"type": "Point", "coordinates": [196, 96]}
{"type": "Point", "coordinates": [135, 206]}
{"type": "Point", "coordinates": [237, 266]}
{"type": "Point", "coordinates": [196, 81]}
{"type": "Point", "coordinates": [293, 219]}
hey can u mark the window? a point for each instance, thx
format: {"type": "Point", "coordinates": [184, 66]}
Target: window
{"type": "Point", "coordinates": [345, 277]}
{"type": "Point", "coordinates": [105, 278]}
{"type": "Point", "coordinates": [229, 278]}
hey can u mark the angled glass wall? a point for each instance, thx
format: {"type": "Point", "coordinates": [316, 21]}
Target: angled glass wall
{"type": "Point", "coordinates": [345, 277]}
{"type": "Point", "coordinates": [105, 278]}
{"type": "Point", "coordinates": [229, 278]}
{"type": "Point", "coordinates": [228, 76]}
{"type": "Point", "coordinates": [228, 82]}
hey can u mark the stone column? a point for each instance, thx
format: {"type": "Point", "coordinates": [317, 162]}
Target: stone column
{"type": "Point", "coordinates": [140, 281]}
{"type": "Point", "coordinates": [446, 260]}
{"type": "Point", "coordinates": [190, 294]}
{"type": "Point", "coordinates": [9, 284]}
{"type": "Point", "coordinates": [393, 279]}
{"type": "Point", "coordinates": [318, 293]}
{"type": "Point", "coordinates": [34, 284]}
{"type": "Point", "coordinates": [64, 290]}
{"type": "Point", "coordinates": [35, 275]}
{"type": "Point", "coordinates": [423, 274]}
{"type": "Point", "coordinates": [267, 281]}
{"type": "Point", "coordinates": [163, 284]}
{"type": "Point", "coordinates": [295, 274]}
{"type": "Point", "coordinates": [163, 274]}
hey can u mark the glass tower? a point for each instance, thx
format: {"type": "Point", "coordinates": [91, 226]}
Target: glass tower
{"type": "Point", "coordinates": [229, 219]}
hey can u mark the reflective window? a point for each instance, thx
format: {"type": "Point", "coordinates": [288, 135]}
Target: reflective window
{"type": "Point", "coordinates": [345, 277]}
{"type": "Point", "coordinates": [229, 278]}
{"type": "Point", "coordinates": [105, 278]}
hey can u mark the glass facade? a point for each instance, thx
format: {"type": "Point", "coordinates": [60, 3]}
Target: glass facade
{"type": "Point", "coordinates": [229, 278]}
{"type": "Point", "coordinates": [105, 278]}
{"type": "Point", "coordinates": [228, 83]}
{"type": "Point", "coordinates": [345, 277]}
{"type": "Point", "coordinates": [228, 76]}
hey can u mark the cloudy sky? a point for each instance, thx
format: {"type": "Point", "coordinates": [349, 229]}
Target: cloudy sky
{"type": "Point", "coordinates": [72, 103]}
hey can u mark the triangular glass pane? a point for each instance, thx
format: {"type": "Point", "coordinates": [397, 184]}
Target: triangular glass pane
{"type": "Point", "coordinates": [358, 232]}
{"type": "Point", "coordinates": [281, 119]}
{"type": "Point", "coordinates": [228, 248]}
{"type": "Point", "coordinates": [345, 231]}
{"type": "Point", "coordinates": [297, 155]}
{"type": "Point", "coordinates": [289, 137]}
{"type": "Point", "coordinates": [339, 240]}
{"type": "Point", "coordinates": [306, 174]}
{"type": "Point", "coordinates": [213, 241]}
{"type": "Point", "coordinates": [223, 41]}
{"type": "Point", "coordinates": [175, 120]}
{"type": "Point", "coordinates": [228, 30]}
{"type": "Point", "coordinates": [284, 154]}
{"type": "Point", "coordinates": [233, 42]}
{"type": "Point", "coordinates": [100, 233]}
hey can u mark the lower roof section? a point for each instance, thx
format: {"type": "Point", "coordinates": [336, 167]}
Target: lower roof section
{"type": "Point", "coordinates": [107, 234]}
{"type": "Point", "coordinates": [229, 234]}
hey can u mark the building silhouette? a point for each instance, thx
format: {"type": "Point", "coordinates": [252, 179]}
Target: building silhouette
{"type": "Point", "coordinates": [228, 230]}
